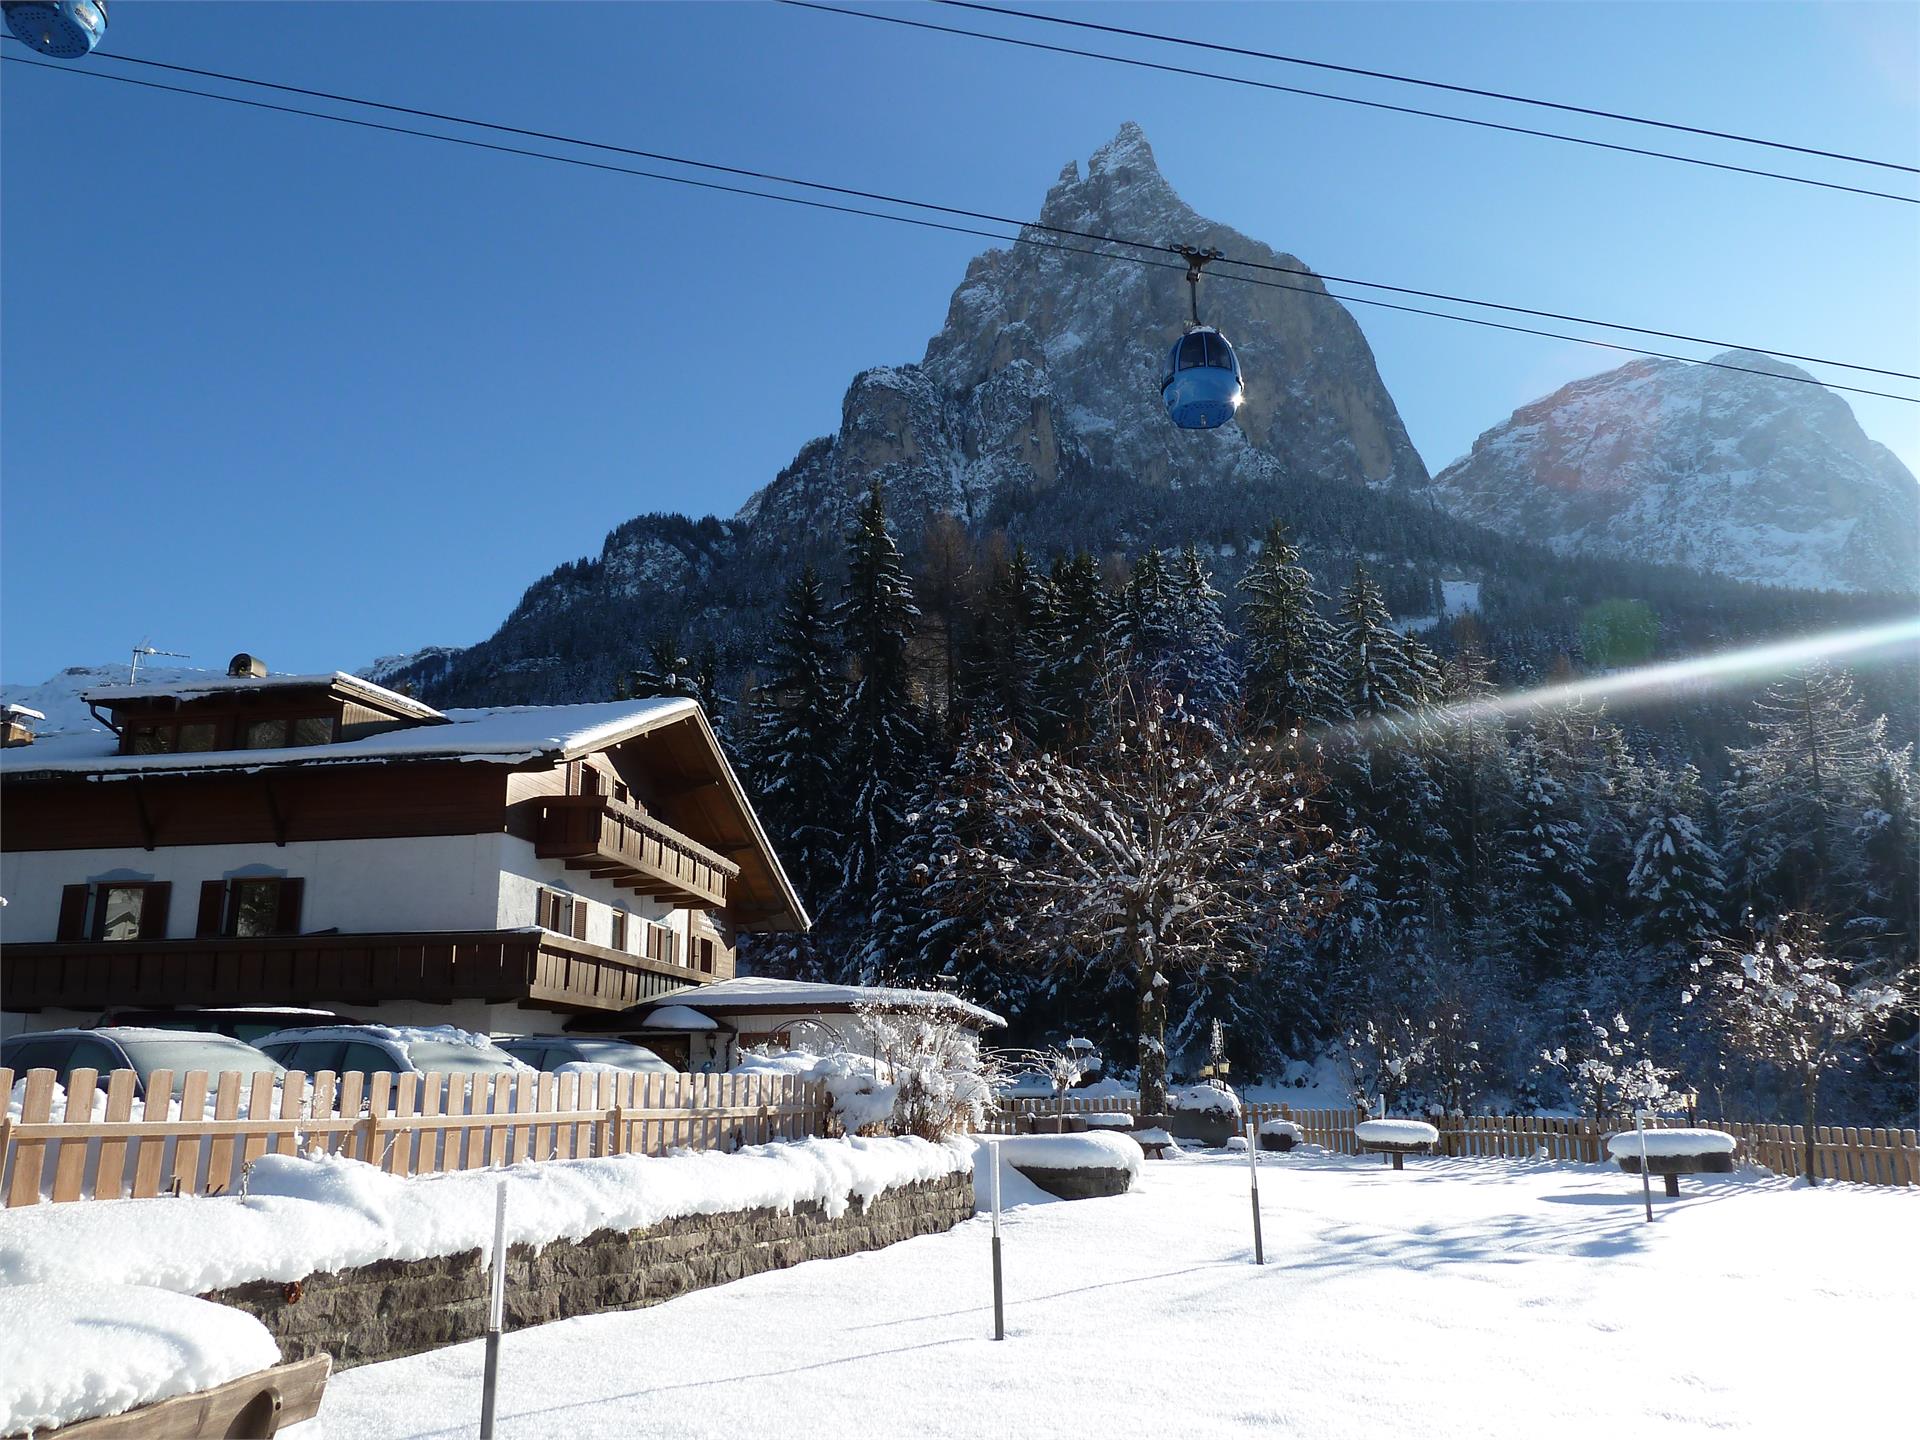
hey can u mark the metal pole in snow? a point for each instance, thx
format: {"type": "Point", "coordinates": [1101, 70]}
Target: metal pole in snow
{"type": "Point", "coordinates": [999, 1304]}
{"type": "Point", "coordinates": [1253, 1170]}
{"type": "Point", "coordinates": [496, 1312]}
{"type": "Point", "coordinates": [1646, 1174]}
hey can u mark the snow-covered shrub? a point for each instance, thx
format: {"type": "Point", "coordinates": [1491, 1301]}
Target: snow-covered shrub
{"type": "Point", "coordinates": [1608, 1071]}
{"type": "Point", "coordinates": [942, 1081]}
{"type": "Point", "coordinates": [1211, 1098]}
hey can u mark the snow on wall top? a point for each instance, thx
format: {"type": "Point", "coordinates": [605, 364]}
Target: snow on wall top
{"type": "Point", "coordinates": [505, 735]}
{"type": "Point", "coordinates": [758, 992]}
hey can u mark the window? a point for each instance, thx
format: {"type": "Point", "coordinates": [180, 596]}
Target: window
{"type": "Point", "coordinates": [368, 1059]}
{"type": "Point", "coordinates": [1193, 352]}
{"type": "Point", "coordinates": [251, 906]}
{"type": "Point", "coordinates": [619, 941]}
{"type": "Point", "coordinates": [703, 951]}
{"type": "Point", "coordinates": [120, 912]}
{"type": "Point", "coordinates": [662, 944]}
{"type": "Point", "coordinates": [256, 907]}
{"type": "Point", "coordinates": [265, 734]}
{"type": "Point", "coordinates": [114, 910]}
{"type": "Point", "coordinates": [200, 735]}
{"type": "Point", "coordinates": [148, 739]}
{"type": "Point", "coordinates": [562, 913]}
{"type": "Point", "coordinates": [313, 730]}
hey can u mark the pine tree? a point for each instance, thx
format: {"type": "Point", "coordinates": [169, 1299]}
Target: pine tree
{"type": "Point", "coordinates": [1018, 618]}
{"type": "Point", "coordinates": [1197, 664]}
{"type": "Point", "coordinates": [1677, 880]}
{"type": "Point", "coordinates": [664, 671]}
{"type": "Point", "coordinates": [884, 747]}
{"type": "Point", "coordinates": [1078, 648]}
{"type": "Point", "coordinates": [1801, 791]}
{"type": "Point", "coordinates": [1383, 675]}
{"type": "Point", "coordinates": [1292, 679]}
{"type": "Point", "coordinates": [1549, 871]}
{"type": "Point", "coordinates": [798, 710]}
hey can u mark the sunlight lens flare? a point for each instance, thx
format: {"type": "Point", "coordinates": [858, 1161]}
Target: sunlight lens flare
{"type": "Point", "coordinates": [1888, 640]}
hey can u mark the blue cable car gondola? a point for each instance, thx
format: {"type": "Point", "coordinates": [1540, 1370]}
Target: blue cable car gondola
{"type": "Point", "coordinates": [1202, 389]}
{"type": "Point", "coordinates": [64, 29]}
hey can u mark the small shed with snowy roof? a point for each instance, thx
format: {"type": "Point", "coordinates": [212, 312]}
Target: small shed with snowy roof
{"type": "Point", "coordinates": [712, 1025]}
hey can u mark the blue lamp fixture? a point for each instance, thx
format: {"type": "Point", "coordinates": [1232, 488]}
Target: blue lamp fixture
{"type": "Point", "coordinates": [64, 29]}
{"type": "Point", "coordinates": [1202, 389]}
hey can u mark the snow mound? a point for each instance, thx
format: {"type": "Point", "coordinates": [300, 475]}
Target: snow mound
{"type": "Point", "coordinates": [304, 1215]}
{"type": "Point", "coordinates": [1282, 1127]}
{"type": "Point", "coordinates": [71, 1352]}
{"type": "Point", "coordinates": [1108, 1120]}
{"type": "Point", "coordinates": [1395, 1132]}
{"type": "Point", "coordinates": [1095, 1150]}
{"type": "Point", "coordinates": [1666, 1143]}
{"type": "Point", "coordinates": [1213, 1099]}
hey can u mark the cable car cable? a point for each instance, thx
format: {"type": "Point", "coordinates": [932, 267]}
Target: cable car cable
{"type": "Point", "coordinates": [746, 173]}
{"type": "Point", "coordinates": [925, 224]}
{"type": "Point", "coordinates": [1353, 100]}
{"type": "Point", "coordinates": [1431, 84]}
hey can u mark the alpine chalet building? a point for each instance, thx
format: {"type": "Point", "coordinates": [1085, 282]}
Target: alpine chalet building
{"type": "Point", "coordinates": [319, 840]}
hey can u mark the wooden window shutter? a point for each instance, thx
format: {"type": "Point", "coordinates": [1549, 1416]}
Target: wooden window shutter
{"type": "Point", "coordinates": [287, 922]}
{"type": "Point", "coordinates": [213, 900]}
{"type": "Point", "coordinates": [619, 929]}
{"type": "Point", "coordinates": [73, 913]}
{"type": "Point", "coordinates": [153, 910]}
{"type": "Point", "coordinates": [579, 919]}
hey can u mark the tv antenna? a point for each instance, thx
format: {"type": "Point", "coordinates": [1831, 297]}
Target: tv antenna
{"type": "Point", "coordinates": [144, 649]}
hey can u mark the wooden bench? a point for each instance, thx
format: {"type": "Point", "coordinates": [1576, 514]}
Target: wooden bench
{"type": "Point", "coordinates": [254, 1407]}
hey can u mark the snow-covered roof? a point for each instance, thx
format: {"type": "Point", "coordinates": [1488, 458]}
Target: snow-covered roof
{"type": "Point", "coordinates": [679, 1017]}
{"type": "Point", "coordinates": [247, 684]}
{"type": "Point", "coordinates": [24, 711]}
{"type": "Point", "coordinates": [504, 735]}
{"type": "Point", "coordinates": [756, 993]}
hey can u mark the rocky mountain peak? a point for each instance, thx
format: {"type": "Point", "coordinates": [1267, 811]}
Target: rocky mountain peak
{"type": "Point", "coordinates": [1740, 474]}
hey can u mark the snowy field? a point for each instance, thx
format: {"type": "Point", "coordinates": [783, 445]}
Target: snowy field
{"type": "Point", "coordinates": [1459, 1298]}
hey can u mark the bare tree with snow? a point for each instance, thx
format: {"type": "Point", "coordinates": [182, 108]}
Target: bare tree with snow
{"type": "Point", "coordinates": [1160, 847]}
{"type": "Point", "coordinates": [1789, 1000]}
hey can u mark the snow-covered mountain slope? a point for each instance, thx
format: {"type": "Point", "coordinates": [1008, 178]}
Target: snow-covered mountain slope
{"type": "Point", "coordinates": [1736, 474]}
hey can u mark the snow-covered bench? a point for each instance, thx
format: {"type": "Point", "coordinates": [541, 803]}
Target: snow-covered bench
{"type": "Point", "coordinates": [1055, 1124]}
{"type": "Point", "coordinates": [1397, 1138]}
{"type": "Point", "coordinates": [1108, 1120]}
{"type": "Point", "coordinates": [1673, 1153]}
{"type": "Point", "coordinates": [1154, 1140]}
{"type": "Point", "coordinates": [1281, 1135]}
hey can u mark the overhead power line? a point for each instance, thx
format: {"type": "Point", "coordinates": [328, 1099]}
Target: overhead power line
{"type": "Point", "coordinates": [1124, 255]}
{"type": "Point", "coordinates": [1456, 89]}
{"type": "Point", "coordinates": [741, 172]}
{"type": "Point", "coordinates": [1242, 80]}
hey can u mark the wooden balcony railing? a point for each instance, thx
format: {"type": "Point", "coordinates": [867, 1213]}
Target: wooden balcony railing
{"type": "Point", "coordinates": [626, 845]}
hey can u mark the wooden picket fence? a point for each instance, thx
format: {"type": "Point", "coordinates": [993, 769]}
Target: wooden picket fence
{"type": "Point", "coordinates": [405, 1124]}
{"type": "Point", "coordinates": [1863, 1156]}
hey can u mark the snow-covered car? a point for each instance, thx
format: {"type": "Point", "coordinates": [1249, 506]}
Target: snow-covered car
{"type": "Point", "coordinates": [583, 1052]}
{"type": "Point", "coordinates": [125, 1047]}
{"type": "Point", "coordinates": [250, 1023]}
{"type": "Point", "coordinates": [390, 1050]}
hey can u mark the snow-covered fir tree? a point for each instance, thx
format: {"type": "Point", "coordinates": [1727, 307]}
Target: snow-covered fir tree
{"type": "Point", "coordinates": [1292, 679]}
{"type": "Point", "coordinates": [884, 746]}
{"type": "Point", "coordinates": [1677, 880]}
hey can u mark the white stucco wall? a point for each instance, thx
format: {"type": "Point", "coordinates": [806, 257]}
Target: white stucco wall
{"type": "Point", "coordinates": [523, 875]}
{"type": "Point", "coordinates": [433, 882]}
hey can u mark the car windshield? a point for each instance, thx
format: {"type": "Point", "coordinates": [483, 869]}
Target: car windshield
{"type": "Point", "coordinates": [623, 1053]}
{"type": "Point", "coordinates": [444, 1057]}
{"type": "Point", "coordinates": [212, 1053]}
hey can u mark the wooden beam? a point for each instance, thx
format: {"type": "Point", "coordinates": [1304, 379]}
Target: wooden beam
{"type": "Point", "coordinates": [257, 1404]}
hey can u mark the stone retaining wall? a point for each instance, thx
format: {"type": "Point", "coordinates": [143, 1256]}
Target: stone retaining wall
{"type": "Point", "coordinates": [401, 1307]}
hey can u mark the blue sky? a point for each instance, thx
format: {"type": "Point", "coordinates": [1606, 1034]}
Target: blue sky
{"type": "Point", "coordinates": [275, 385]}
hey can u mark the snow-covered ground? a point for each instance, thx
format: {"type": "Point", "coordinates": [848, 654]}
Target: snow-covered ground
{"type": "Point", "coordinates": [1457, 1299]}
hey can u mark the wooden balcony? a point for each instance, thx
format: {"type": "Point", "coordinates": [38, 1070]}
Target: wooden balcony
{"type": "Point", "coordinates": [627, 846]}
{"type": "Point", "coordinates": [529, 967]}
